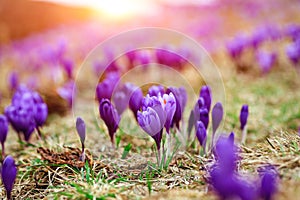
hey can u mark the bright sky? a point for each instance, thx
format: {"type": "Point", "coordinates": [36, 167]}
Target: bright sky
{"type": "Point", "coordinates": [120, 9]}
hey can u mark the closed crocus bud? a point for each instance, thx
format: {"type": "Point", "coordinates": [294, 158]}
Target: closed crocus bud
{"type": "Point", "coordinates": [293, 52]}
{"type": "Point", "coordinates": [266, 61]}
{"type": "Point", "coordinates": [169, 105]}
{"type": "Point", "coordinates": [80, 127]}
{"type": "Point", "coordinates": [181, 99]}
{"type": "Point", "coordinates": [3, 132]}
{"type": "Point", "coordinates": [217, 116]}
{"type": "Point", "coordinates": [244, 116]}
{"type": "Point", "coordinates": [155, 90]}
{"type": "Point", "coordinates": [201, 134]}
{"type": "Point", "coordinates": [205, 93]}
{"type": "Point", "coordinates": [135, 101]}
{"type": "Point", "coordinates": [268, 186]}
{"type": "Point", "coordinates": [110, 117]}
{"type": "Point", "coordinates": [236, 47]}
{"type": "Point", "coordinates": [67, 91]}
{"type": "Point", "coordinates": [231, 137]}
{"type": "Point", "coordinates": [106, 88]}
{"type": "Point", "coordinates": [13, 81]}
{"type": "Point", "coordinates": [8, 175]}
{"type": "Point", "coordinates": [121, 97]}
{"type": "Point", "coordinates": [41, 114]}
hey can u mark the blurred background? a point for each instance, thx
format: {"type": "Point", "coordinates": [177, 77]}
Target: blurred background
{"type": "Point", "coordinates": [43, 42]}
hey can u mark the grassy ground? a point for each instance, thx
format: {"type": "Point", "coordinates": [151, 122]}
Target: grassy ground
{"type": "Point", "coordinates": [274, 117]}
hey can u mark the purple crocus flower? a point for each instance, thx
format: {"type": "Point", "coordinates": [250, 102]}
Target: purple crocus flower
{"type": "Point", "coordinates": [293, 52]}
{"type": "Point", "coordinates": [152, 124]}
{"type": "Point", "coordinates": [169, 105]}
{"type": "Point", "coordinates": [21, 119]}
{"type": "Point", "coordinates": [217, 116]}
{"type": "Point", "coordinates": [243, 121]}
{"type": "Point", "coordinates": [259, 36]}
{"type": "Point", "coordinates": [268, 185]}
{"type": "Point", "coordinates": [13, 81]}
{"type": "Point", "coordinates": [155, 90]}
{"type": "Point", "coordinates": [3, 132]}
{"type": "Point", "coordinates": [121, 97]}
{"type": "Point", "coordinates": [106, 88]}
{"type": "Point", "coordinates": [110, 117]}
{"type": "Point", "coordinates": [201, 134]}
{"type": "Point", "coordinates": [66, 92]}
{"type": "Point", "coordinates": [244, 116]}
{"type": "Point", "coordinates": [205, 93]}
{"type": "Point", "coordinates": [135, 101]}
{"type": "Point", "coordinates": [223, 175]}
{"type": "Point", "coordinates": [8, 174]}
{"type": "Point", "coordinates": [266, 60]}
{"type": "Point", "coordinates": [80, 127]}
{"type": "Point", "coordinates": [236, 47]}
{"type": "Point", "coordinates": [181, 99]}
{"type": "Point", "coordinates": [68, 66]}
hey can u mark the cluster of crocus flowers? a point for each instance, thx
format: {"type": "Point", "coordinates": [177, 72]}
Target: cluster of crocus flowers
{"type": "Point", "coordinates": [159, 110]}
{"type": "Point", "coordinates": [8, 175]}
{"type": "Point", "coordinates": [228, 183]}
{"type": "Point", "coordinates": [27, 112]}
{"type": "Point", "coordinates": [242, 45]}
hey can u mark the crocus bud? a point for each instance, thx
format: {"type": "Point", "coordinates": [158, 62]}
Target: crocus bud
{"type": "Point", "coordinates": [13, 81]}
{"type": "Point", "coordinates": [41, 114]}
{"type": "Point", "coordinates": [106, 88]}
{"type": "Point", "coordinates": [67, 91]}
{"type": "Point", "coordinates": [155, 90]}
{"type": "Point", "coordinates": [231, 137]}
{"type": "Point", "coordinates": [3, 132]}
{"type": "Point", "coordinates": [244, 116]}
{"type": "Point", "coordinates": [8, 175]}
{"type": "Point", "coordinates": [266, 60]}
{"type": "Point", "coordinates": [135, 101]}
{"type": "Point", "coordinates": [80, 127]}
{"type": "Point", "coordinates": [201, 133]}
{"type": "Point", "coordinates": [110, 117]}
{"type": "Point", "coordinates": [121, 97]}
{"type": "Point", "coordinates": [205, 93]}
{"type": "Point", "coordinates": [268, 186]}
{"type": "Point", "coordinates": [217, 115]}
{"type": "Point", "coordinates": [181, 99]}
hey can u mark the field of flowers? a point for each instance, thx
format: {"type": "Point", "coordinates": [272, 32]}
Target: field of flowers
{"type": "Point", "coordinates": [190, 102]}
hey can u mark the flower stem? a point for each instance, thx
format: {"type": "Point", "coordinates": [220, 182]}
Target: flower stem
{"type": "Point", "coordinates": [3, 151]}
{"type": "Point", "coordinates": [244, 134]}
{"type": "Point", "coordinates": [168, 153]}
